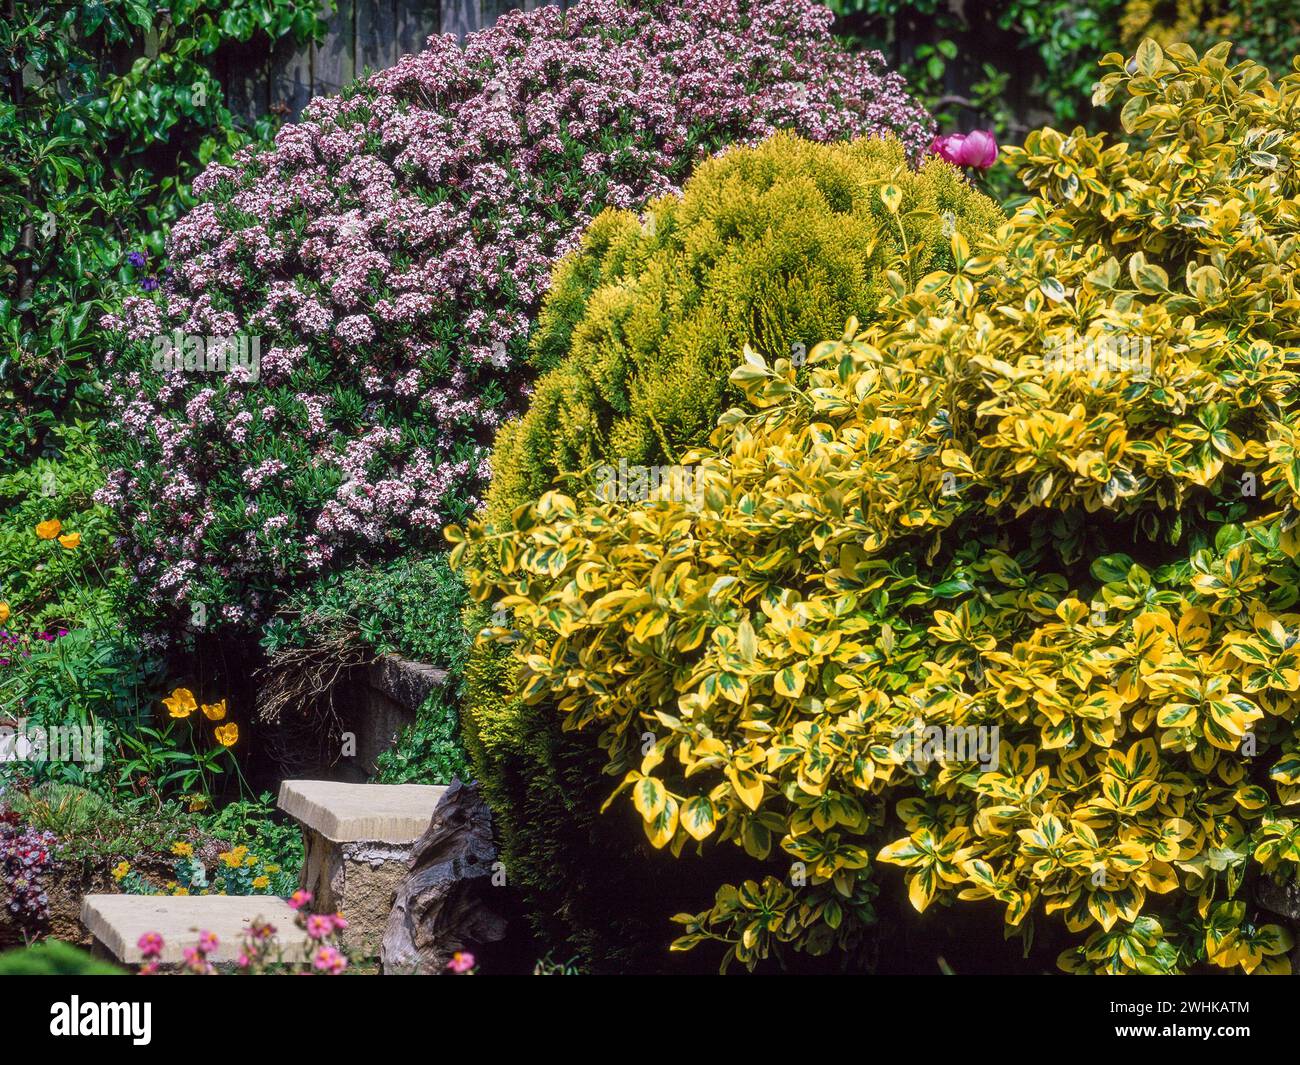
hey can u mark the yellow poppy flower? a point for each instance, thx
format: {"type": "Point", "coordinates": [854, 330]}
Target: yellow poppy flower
{"type": "Point", "coordinates": [48, 530]}
{"type": "Point", "coordinates": [261, 882]}
{"type": "Point", "coordinates": [4, 613]}
{"type": "Point", "coordinates": [181, 891]}
{"type": "Point", "coordinates": [121, 869]}
{"type": "Point", "coordinates": [71, 541]}
{"type": "Point", "coordinates": [181, 703]}
{"type": "Point", "coordinates": [183, 850]}
{"type": "Point", "coordinates": [214, 711]}
{"type": "Point", "coordinates": [227, 735]}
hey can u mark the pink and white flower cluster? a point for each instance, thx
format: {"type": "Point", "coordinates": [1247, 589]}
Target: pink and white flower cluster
{"type": "Point", "coordinates": [392, 249]}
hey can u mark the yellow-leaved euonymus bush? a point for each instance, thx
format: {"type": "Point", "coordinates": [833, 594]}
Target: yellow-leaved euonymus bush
{"type": "Point", "coordinates": [1003, 589]}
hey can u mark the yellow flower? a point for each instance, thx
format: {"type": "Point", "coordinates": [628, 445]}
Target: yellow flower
{"type": "Point", "coordinates": [232, 861]}
{"type": "Point", "coordinates": [121, 869]}
{"type": "Point", "coordinates": [182, 850]}
{"type": "Point", "coordinates": [251, 861]}
{"type": "Point", "coordinates": [227, 735]}
{"type": "Point", "coordinates": [261, 882]}
{"type": "Point", "coordinates": [181, 891]}
{"type": "Point", "coordinates": [240, 851]}
{"type": "Point", "coordinates": [71, 541]}
{"type": "Point", "coordinates": [4, 613]}
{"type": "Point", "coordinates": [48, 530]}
{"type": "Point", "coordinates": [197, 803]}
{"type": "Point", "coordinates": [181, 703]}
{"type": "Point", "coordinates": [214, 711]}
{"type": "Point", "coordinates": [272, 868]}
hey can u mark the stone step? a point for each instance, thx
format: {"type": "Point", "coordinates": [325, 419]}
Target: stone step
{"type": "Point", "coordinates": [118, 922]}
{"type": "Point", "coordinates": [357, 840]}
{"type": "Point", "coordinates": [349, 813]}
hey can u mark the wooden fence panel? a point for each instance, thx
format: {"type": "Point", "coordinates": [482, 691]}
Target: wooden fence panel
{"type": "Point", "coordinates": [336, 56]}
{"type": "Point", "coordinates": [416, 22]}
{"type": "Point", "coordinates": [461, 17]}
{"type": "Point", "coordinates": [361, 35]}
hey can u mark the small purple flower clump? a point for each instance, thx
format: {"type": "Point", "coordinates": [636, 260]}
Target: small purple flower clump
{"type": "Point", "coordinates": [25, 855]}
{"type": "Point", "coordinates": [390, 253]}
{"type": "Point", "coordinates": [13, 644]}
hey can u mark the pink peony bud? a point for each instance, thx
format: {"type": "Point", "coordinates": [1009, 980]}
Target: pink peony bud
{"type": "Point", "coordinates": [948, 147]}
{"type": "Point", "coordinates": [979, 149]}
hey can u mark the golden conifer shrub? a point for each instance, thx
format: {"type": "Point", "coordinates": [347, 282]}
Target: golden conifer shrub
{"type": "Point", "coordinates": [1004, 593]}
{"type": "Point", "coordinates": [774, 245]}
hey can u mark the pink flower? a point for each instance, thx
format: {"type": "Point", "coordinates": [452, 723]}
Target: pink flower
{"type": "Point", "coordinates": [149, 968]}
{"type": "Point", "coordinates": [461, 962]}
{"type": "Point", "coordinates": [207, 942]}
{"type": "Point", "coordinates": [340, 924]}
{"type": "Point", "coordinates": [151, 945]}
{"type": "Point", "coordinates": [299, 899]}
{"type": "Point", "coordinates": [947, 147]}
{"type": "Point", "coordinates": [243, 961]}
{"type": "Point", "coordinates": [978, 148]}
{"type": "Point", "coordinates": [262, 930]}
{"type": "Point", "coordinates": [329, 960]}
{"type": "Point", "coordinates": [319, 925]}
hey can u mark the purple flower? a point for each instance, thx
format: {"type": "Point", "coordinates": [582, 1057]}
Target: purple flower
{"type": "Point", "coordinates": [149, 284]}
{"type": "Point", "coordinates": [136, 259]}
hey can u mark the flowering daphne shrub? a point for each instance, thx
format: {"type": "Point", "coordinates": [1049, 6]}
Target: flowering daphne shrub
{"type": "Point", "coordinates": [1022, 627]}
{"type": "Point", "coordinates": [388, 254]}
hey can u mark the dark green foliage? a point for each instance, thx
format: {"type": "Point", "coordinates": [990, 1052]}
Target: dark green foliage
{"type": "Point", "coordinates": [107, 110]}
{"type": "Point", "coordinates": [430, 751]}
{"type": "Point", "coordinates": [410, 606]}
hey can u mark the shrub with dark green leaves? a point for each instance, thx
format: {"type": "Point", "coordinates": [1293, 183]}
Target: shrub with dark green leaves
{"type": "Point", "coordinates": [107, 110]}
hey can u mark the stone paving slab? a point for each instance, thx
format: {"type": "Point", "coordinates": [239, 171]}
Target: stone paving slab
{"type": "Point", "coordinates": [118, 922]}
{"type": "Point", "coordinates": [348, 813]}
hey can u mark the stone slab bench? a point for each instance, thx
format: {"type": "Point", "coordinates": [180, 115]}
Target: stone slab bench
{"type": "Point", "coordinates": [358, 840]}
{"type": "Point", "coordinates": [118, 921]}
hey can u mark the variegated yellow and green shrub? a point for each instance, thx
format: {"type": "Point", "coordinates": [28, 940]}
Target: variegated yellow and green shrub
{"type": "Point", "coordinates": [1004, 593]}
{"type": "Point", "coordinates": [774, 245]}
